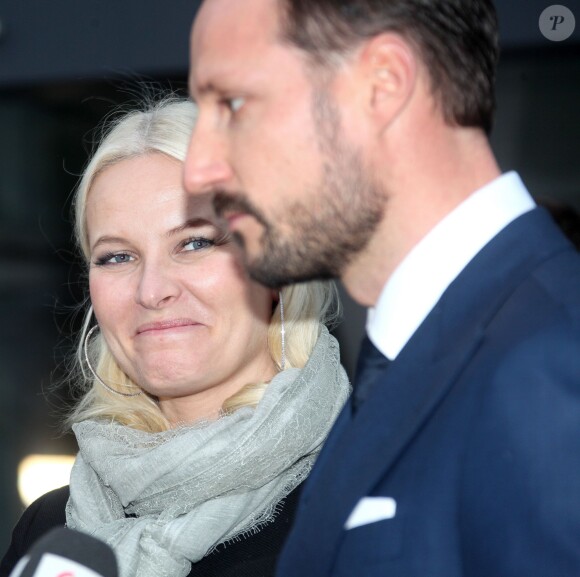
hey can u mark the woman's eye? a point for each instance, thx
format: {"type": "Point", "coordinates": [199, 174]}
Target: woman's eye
{"type": "Point", "coordinates": [118, 258]}
{"type": "Point", "coordinates": [197, 244]}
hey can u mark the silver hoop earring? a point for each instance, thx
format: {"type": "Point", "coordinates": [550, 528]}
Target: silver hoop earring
{"type": "Point", "coordinates": [283, 334]}
{"type": "Point", "coordinates": [86, 351]}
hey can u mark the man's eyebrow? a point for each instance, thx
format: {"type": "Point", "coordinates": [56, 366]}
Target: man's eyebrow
{"type": "Point", "coordinates": [206, 88]}
{"type": "Point", "coordinates": [202, 89]}
{"type": "Point", "coordinates": [222, 80]}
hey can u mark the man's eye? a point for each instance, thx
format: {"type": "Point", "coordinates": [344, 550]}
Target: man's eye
{"type": "Point", "coordinates": [235, 104]}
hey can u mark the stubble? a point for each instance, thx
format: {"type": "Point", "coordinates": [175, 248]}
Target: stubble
{"type": "Point", "coordinates": [317, 238]}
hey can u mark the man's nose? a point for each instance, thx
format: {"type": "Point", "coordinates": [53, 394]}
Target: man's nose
{"type": "Point", "coordinates": [206, 165]}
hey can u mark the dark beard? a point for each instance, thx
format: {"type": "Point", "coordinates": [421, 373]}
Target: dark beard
{"type": "Point", "coordinates": [319, 238]}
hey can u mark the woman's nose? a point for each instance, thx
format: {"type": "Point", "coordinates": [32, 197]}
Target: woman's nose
{"type": "Point", "coordinates": [158, 286]}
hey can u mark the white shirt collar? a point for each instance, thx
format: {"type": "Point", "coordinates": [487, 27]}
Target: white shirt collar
{"type": "Point", "coordinates": [419, 281]}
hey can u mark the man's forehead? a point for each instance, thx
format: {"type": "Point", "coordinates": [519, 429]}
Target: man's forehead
{"type": "Point", "coordinates": [225, 31]}
{"type": "Point", "coordinates": [231, 21]}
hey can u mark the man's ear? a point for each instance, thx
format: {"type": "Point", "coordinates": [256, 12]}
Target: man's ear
{"type": "Point", "coordinates": [390, 68]}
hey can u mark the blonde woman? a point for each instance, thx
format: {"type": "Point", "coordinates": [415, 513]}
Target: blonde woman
{"type": "Point", "coordinates": [204, 397]}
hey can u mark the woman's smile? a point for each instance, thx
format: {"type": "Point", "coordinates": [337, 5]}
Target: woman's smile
{"type": "Point", "coordinates": [165, 326]}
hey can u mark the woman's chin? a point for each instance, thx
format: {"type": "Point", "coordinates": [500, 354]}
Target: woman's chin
{"type": "Point", "coordinates": [170, 383]}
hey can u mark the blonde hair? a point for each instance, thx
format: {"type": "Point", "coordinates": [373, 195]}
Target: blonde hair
{"type": "Point", "coordinates": [164, 126]}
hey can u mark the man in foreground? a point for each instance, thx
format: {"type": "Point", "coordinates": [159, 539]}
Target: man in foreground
{"type": "Point", "coordinates": [349, 139]}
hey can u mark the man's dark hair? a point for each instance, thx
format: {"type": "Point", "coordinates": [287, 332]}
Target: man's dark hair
{"type": "Point", "coordinates": [456, 39]}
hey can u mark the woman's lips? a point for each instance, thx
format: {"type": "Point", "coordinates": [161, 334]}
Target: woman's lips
{"type": "Point", "coordinates": [165, 325]}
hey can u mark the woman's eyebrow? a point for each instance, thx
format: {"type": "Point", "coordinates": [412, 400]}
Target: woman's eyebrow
{"type": "Point", "coordinates": [108, 240]}
{"type": "Point", "coordinates": [190, 223]}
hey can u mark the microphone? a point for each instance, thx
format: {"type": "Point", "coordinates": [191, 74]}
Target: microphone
{"type": "Point", "coordinates": [67, 553]}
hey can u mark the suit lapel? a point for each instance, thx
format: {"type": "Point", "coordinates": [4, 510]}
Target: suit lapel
{"type": "Point", "coordinates": [417, 382]}
{"type": "Point", "coordinates": [371, 441]}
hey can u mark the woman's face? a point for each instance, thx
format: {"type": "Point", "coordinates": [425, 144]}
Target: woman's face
{"type": "Point", "coordinates": [173, 302]}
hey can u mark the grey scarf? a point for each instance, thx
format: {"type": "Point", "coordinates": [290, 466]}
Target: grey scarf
{"type": "Point", "coordinates": [195, 487]}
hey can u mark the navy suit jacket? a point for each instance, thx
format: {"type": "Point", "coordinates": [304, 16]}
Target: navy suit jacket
{"type": "Point", "coordinates": [474, 431]}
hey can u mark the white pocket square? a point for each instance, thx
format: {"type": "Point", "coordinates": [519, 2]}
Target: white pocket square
{"type": "Point", "coordinates": [370, 510]}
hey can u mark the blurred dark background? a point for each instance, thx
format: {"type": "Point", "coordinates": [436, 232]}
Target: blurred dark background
{"type": "Point", "coordinates": [64, 64]}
